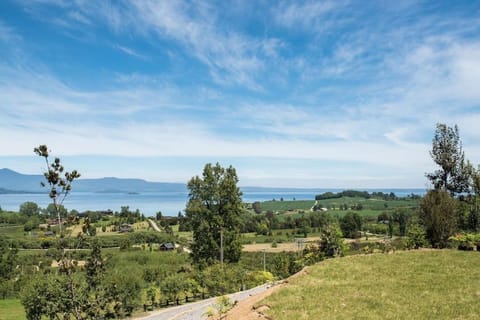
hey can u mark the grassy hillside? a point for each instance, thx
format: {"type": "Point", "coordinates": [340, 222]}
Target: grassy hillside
{"type": "Point", "coordinates": [11, 309]}
{"type": "Point", "coordinates": [405, 285]}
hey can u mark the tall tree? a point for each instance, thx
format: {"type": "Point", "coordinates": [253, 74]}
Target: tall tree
{"type": "Point", "coordinates": [437, 213]}
{"type": "Point", "coordinates": [213, 211]}
{"type": "Point", "coordinates": [58, 182]}
{"type": "Point", "coordinates": [454, 173]}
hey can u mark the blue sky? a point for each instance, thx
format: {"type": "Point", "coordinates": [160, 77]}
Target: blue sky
{"type": "Point", "coordinates": [291, 93]}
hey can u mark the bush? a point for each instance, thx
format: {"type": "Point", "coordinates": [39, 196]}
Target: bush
{"type": "Point", "coordinates": [350, 224]}
{"type": "Point", "coordinates": [465, 241]}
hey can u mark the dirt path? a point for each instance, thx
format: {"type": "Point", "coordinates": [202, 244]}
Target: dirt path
{"type": "Point", "coordinates": [154, 225]}
{"type": "Point", "coordinates": [246, 310]}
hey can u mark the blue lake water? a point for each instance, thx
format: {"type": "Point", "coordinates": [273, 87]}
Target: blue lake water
{"type": "Point", "coordinates": [169, 203]}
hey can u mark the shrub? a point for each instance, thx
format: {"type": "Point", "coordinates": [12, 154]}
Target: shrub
{"type": "Point", "coordinates": [350, 224]}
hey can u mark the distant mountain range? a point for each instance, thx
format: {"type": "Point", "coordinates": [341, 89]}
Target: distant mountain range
{"type": "Point", "coordinates": [14, 182]}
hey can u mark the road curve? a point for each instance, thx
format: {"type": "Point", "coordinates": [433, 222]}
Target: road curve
{"type": "Point", "coordinates": [197, 310]}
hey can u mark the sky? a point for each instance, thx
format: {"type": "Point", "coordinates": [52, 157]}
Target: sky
{"type": "Point", "coordinates": [324, 94]}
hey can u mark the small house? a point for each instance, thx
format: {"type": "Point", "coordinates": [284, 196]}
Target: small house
{"type": "Point", "coordinates": [167, 246]}
{"type": "Point", "coordinates": [125, 228]}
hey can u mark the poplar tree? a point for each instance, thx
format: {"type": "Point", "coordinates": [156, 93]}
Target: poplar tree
{"type": "Point", "coordinates": [454, 172]}
{"type": "Point", "coordinates": [213, 211]}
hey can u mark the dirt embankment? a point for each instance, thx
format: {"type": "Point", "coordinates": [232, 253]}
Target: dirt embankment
{"type": "Point", "coordinates": [249, 309]}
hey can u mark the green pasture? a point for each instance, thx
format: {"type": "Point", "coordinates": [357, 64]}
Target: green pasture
{"type": "Point", "coordinates": [440, 284]}
{"type": "Point", "coordinates": [283, 206]}
{"type": "Point", "coordinates": [369, 204]}
{"type": "Point", "coordinates": [11, 309]}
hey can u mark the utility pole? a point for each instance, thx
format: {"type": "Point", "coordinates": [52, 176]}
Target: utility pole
{"type": "Point", "coordinates": [221, 248]}
{"type": "Point", "coordinates": [263, 259]}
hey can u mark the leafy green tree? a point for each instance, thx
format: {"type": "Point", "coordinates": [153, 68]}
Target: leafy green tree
{"type": "Point", "coordinates": [31, 224]}
{"type": "Point", "coordinates": [416, 236]}
{"type": "Point", "coordinates": [54, 211]}
{"type": "Point", "coordinates": [58, 182]}
{"type": "Point", "coordinates": [350, 224]}
{"type": "Point", "coordinates": [122, 287]}
{"type": "Point", "coordinates": [401, 216]}
{"type": "Point", "coordinates": [474, 216]}
{"type": "Point", "coordinates": [213, 210]}
{"type": "Point", "coordinates": [29, 209]}
{"type": "Point", "coordinates": [95, 266]}
{"type": "Point", "coordinates": [331, 242]}
{"type": "Point", "coordinates": [8, 263]}
{"type": "Point", "coordinates": [257, 207]}
{"type": "Point", "coordinates": [454, 171]}
{"type": "Point", "coordinates": [172, 286]}
{"type": "Point", "coordinates": [437, 214]}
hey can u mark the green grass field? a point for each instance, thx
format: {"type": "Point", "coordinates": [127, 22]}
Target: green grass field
{"type": "Point", "coordinates": [369, 204]}
{"type": "Point", "coordinates": [282, 206]}
{"type": "Point", "coordinates": [405, 285]}
{"type": "Point", "coordinates": [11, 309]}
{"type": "Point", "coordinates": [12, 231]}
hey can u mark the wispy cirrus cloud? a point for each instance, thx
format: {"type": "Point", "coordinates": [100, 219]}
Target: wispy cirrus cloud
{"type": "Point", "coordinates": [130, 52]}
{"type": "Point", "coordinates": [232, 58]}
{"type": "Point", "coordinates": [333, 90]}
{"type": "Point", "coordinates": [7, 33]}
{"type": "Point", "coordinates": [310, 15]}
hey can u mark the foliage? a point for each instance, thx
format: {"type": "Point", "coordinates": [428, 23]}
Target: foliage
{"type": "Point", "coordinates": [223, 304]}
{"type": "Point", "coordinates": [256, 278]}
{"type": "Point", "coordinates": [401, 216]}
{"type": "Point", "coordinates": [356, 193]}
{"type": "Point", "coordinates": [59, 183]}
{"type": "Point", "coordinates": [173, 285]}
{"type": "Point", "coordinates": [29, 209]}
{"type": "Point", "coordinates": [466, 241]}
{"type": "Point", "coordinates": [454, 173]}
{"type": "Point", "coordinates": [8, 263]}
{"type": "Point", "coordinates": [438, 216]}
{"type": "Point", "coordinates": [331, 242]}
{"type": "Point", "coordinates": [351, 224]}
{"type": "Point", "coordinates": [416, 235]}
{"type": "Point", "coordinates": [213, 210]}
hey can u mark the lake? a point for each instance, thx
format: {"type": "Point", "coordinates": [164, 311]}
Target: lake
{"type": "Point", "coordinates": [169, 203]}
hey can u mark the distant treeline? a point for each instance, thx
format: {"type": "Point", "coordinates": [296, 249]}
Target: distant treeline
{"type": "Point", "coordinates": [361, 194]}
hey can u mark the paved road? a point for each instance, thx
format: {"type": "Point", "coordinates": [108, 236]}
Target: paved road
{"type": "Point", "coordinates": [197, 310]}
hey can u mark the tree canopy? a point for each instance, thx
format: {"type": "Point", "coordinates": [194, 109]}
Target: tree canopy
{"type": "Point", "coordinates": [454, 171]}
{"type": "Point", "coordinates": [213, 210]}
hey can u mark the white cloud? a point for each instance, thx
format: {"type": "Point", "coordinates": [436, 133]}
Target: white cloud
{"type": "Point", "coordinates": [130, 52]}
{"type": "Point", "coordinates": [308, 15]}
{"type": "Point", "coordinates": [7, 33]}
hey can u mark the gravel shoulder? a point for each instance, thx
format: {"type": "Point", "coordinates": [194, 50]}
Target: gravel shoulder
{"type": "Point", "coordinates": [248, 309]}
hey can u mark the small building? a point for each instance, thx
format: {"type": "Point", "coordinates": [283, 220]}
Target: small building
{"type": "Point", "coordinates": [125, 228]}
{"type": "Point", "coordinates": [43, 226]}
{"type": "Point", "coordinates": [167, 246]}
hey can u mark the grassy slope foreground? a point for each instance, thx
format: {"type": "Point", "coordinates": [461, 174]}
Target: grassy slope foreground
{"type": "Point", "coordinates": [405, 285]}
